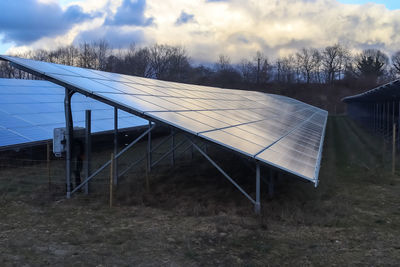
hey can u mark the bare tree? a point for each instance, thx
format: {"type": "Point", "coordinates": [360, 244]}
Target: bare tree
{"type": "Point", "coordinates": [101, 50]}
{"type": "Point", "coordinates": [168, 62]}
{"type": "Point", "coordinates": [256, 70]}
{"type": "Point", "coordinates": [223, 63]}
{"type": "Point", "coordinates": [334, 62]}
{"type": "Point", "coordinates": [286, 69]}
{"type": "Point", "coordinates": [87, 56]}
{"type": "Point", "coordinates": [179, 65]}
{"type": "Point", "coordinates": [396, 61]}
{"type": "Point", "coordinates": [248, 70]}
{"type": "Point", "coordinates": [137, 61]}
{"type": "Point", "coordinates": [308, 59]}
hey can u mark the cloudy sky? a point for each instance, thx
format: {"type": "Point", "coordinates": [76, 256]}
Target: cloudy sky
{"type": "Point", "coordinates": [206, 28]}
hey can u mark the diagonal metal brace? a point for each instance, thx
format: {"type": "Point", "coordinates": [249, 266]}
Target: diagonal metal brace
{"type": "Point", "coordinates": [115, 157]}
{"type": "Point", "coordinates": [168, 153]}
{"type": "Point", "coordinates": [220, 170]}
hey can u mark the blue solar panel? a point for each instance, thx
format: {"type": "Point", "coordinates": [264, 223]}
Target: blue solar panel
{"type": "Point", "coordinates": [272, 129]}
{"type": "Point", "coordinates": [31, 109]}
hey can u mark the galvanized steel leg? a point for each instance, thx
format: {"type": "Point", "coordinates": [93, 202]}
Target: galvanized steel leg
{"type": "Point", "coordinates": [387, 118]}
{"type": "Point", "coordinates": [149, 149]}
{"type": "Point", "coordinates": [68, 138]}
{"type": "Point", "coordinates": [115, 171]}
{"type": "Point", "coordinates": [88, 142]}
{"type": "Point", "coordinates": [392, 116]}
{"type": "Point", "coordinates": [115, 156]}
{"type": "Point", "coordinates": [221, 170]}
{"type": "Point", "coordinates": [257, 205]}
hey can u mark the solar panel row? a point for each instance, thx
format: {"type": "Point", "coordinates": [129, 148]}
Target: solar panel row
{"type": "Point", "coordinates": [277, 130]}
{"type": "Point", "coordinates": [30, 110]}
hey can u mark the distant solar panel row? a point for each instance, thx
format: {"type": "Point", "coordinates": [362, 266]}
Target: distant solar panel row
{"type": "Point", "coordinates": [385, 92]}
{"type": "Point", "coordinates": [277, 130]}
{"type": "Point", "coordinates": [30, 110]}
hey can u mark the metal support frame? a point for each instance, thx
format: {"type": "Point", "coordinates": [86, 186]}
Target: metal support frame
{"type": "Point", "coordinates": [115, 170]}
{"type": "Point", "coordinates": [115, 157]}
{"type": "Point", "coordinates": [256, 202]}
{"type": "Point", "coordinates": [149, 157]}
{"type": "Point", "coordinates": [168, 152]}
{"type": "Point", "coordinates": [88, 146]}
{"type": "Point", "coordinates": [165, 140]}
{"type": "Point", "coordinates": [392, 116]}
{"type": "Point", "coordinates": [69, 136]}
{"type": "Point", "coordinates": [387, 119]}
{"type": "Point", "coordinates": [383, 118]}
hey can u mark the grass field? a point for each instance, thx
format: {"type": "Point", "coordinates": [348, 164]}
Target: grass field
{"type": "Point", "coordinates": [191, 216]}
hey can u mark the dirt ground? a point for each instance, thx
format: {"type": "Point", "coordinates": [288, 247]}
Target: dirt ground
{"type": "Point", "coordinates": [191, 216]}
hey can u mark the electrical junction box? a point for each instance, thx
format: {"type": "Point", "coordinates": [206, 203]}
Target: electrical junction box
{"type": "Point", "coordinates": [59, 141]}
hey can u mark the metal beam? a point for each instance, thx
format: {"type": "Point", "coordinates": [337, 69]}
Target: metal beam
{"type": "Point", "coordinates": [115, 157]}
{"type": "Point", "coordinates": [69, 136]}
{"type": "Point", "coordinates": [149, 149]}
{"type": "Point", "coordinates": [88, 146]}
{"type": "Point", "coordinates": [115, 171]}
{"type": "Point", "coordinates": [167, 153]}
{"type": "Point", "coordinates": [221, 170]}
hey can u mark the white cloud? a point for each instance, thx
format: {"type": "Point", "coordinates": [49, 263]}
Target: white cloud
{"type": "Point", "coordinates": [240, 28]}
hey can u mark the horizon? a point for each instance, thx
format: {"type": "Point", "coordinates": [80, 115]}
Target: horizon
{"type": "Point", "coordinates": [205, 28]}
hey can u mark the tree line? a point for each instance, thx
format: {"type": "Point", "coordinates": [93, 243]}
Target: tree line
{"type": "Point", "coordinates": [330, 65]}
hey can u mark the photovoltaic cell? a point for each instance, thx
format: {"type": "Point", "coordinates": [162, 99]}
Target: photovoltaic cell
{"type": "Point", "coordinates": [31, 109]}
{"type": "Point", "coordinates": [273, 129]}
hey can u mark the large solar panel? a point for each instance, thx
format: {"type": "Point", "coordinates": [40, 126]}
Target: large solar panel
{"type": "Point", "coordinates": [277, 130]}
{"type": "Point", "coordinates": [31, 109]}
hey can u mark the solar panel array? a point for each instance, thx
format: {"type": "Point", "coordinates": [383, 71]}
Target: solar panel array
{"type": "Point", "coordinates": [277, 130]}
{"type": "Point", "coordinates": [30, 110]}
{"type": "Point", "coordinates": [386, 92]}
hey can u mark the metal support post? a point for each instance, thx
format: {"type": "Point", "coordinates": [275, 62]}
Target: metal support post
{"type": "Point", "coordinates": [167, 153]}
{"type": "Point", "coordinates": [68, 138]}
{"type": "Point", "coordinates": [381, 112]}
{"type": "Point", "coordinates": [112, 159]}
{"type": "Point", "coordinates": [172, 146]}
{"type": "Point", "coordinates": [88, 146]}
{"type": "Point", "coordinates": [48, 164]}
{"type": "Point", "coordinates": [387, 119]}
{"type": "Point", "coordinates": [374, 118]}
{"type": "Point", "coordinates": [394, 149]}
{"type": "Point", "coordinates": [383, 119]}
{"type": "Point", "coordinates": [115, 174]}
{"type": "Point", "coordinates": [257, 205]}
{"type": "Point", "coordinates": [149, 149]}
{"type": "Point", "coordinates": [116, 156]}
{"type": "Point", "coordinates": [392, 122]}
{"type": "Point", "coordinates": [221, 170]}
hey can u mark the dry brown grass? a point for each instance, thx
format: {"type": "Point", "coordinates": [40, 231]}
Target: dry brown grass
{"type": "Point", "coordinates": [192, 216]}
